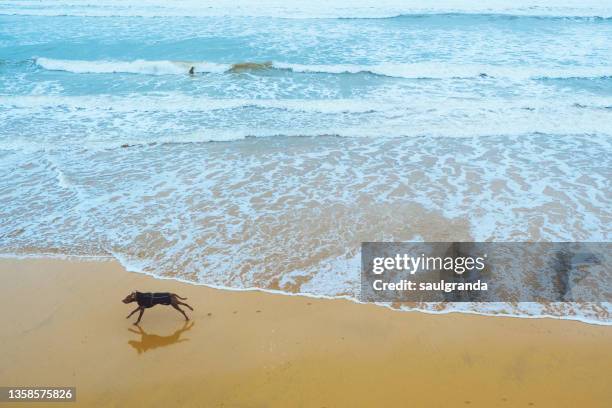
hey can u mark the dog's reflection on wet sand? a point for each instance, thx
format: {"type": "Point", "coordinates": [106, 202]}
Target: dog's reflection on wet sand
{"type": "Point", "coordinates": [152, 341]}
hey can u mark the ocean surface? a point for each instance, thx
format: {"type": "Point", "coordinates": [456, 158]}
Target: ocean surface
{"type": "Point", "coordinates": [306, 128]}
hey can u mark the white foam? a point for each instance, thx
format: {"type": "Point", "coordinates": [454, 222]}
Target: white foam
{"type": "Point", "coordinates": [177, 102]}
{"type": "Point", "coordinates": [109, 121]}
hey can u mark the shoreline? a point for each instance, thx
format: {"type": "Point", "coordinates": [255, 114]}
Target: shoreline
{"type": "Point", "coordinates": [112, 259]}
{"type": "Point", "coordinates": [63, 324]}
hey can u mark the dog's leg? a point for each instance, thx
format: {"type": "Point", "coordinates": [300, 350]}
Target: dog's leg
{"type": "Point", "coordinates": [134, 311]}
{"type": "Point", "coordinates": [180, 310]}
{"type": "Point", "coordinates": [139, 316]}
{"type": "Point", "coordinates": [185, 304]}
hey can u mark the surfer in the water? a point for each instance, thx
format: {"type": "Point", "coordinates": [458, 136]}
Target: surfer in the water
{"type": "Point", "coordinates": [192, 70]}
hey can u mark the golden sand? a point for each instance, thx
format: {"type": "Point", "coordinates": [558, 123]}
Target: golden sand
{"type": "Point", "coordinates": [62, 323]}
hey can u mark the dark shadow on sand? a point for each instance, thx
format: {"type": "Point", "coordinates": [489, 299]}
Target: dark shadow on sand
{"type": "Point", "coordinates": [152, 341]}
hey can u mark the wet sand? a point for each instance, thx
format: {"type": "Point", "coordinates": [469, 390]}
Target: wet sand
{"type": "Point", "coordinates": [62, 323]}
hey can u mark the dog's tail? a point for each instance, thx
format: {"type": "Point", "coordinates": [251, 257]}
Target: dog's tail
{"type": "Point", "coordinates": [182, 298]}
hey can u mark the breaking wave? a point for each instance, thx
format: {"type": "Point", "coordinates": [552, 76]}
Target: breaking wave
{"type": "Point", "coordinates": [129, 67]}
{"type": "Point", "coordinates": [395, 70]}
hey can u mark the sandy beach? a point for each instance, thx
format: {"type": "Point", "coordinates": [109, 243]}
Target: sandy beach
{"type": "Point", "coordinates": [62, 323]}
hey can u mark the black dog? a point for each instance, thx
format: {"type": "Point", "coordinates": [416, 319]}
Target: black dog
{"type": "Point", "coordinates": [147, 300]}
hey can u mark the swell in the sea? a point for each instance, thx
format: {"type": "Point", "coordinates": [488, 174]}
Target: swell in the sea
{"type": "Point", "coordinates": [311, 9]}
{"type": "Point", "coordinates": [425, 70]}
